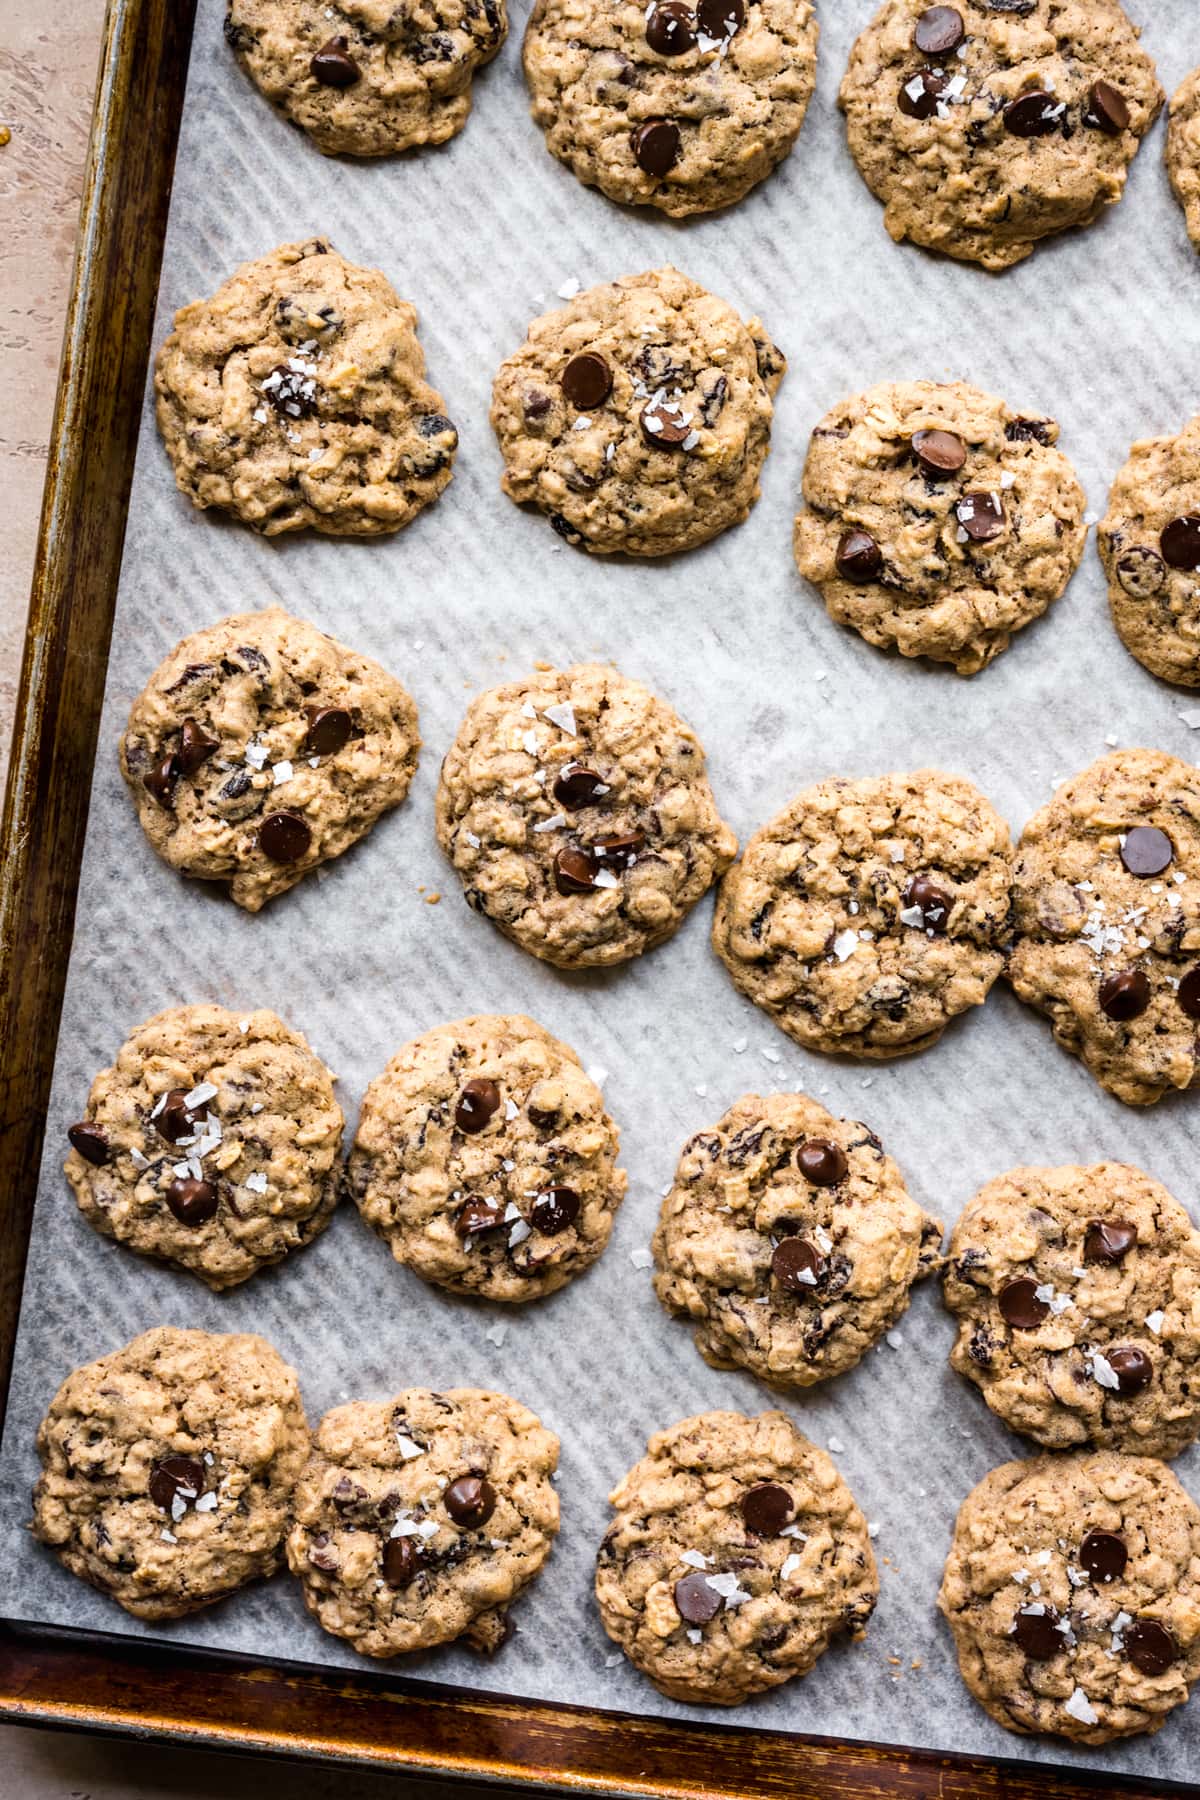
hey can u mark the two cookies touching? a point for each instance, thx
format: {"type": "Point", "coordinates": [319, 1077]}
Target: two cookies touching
{"type": "Point", "coordinates": [576, 808]}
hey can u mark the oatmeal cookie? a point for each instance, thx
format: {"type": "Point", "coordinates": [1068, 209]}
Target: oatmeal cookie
{"type": "Point", "coordinates": [1183, 151]}
{"type": "Point", "coordinates": [168, 1469]}
{"type": "Point", "coordinates": [296, 397]}
{"type": "Point", "coordinates": [736, 1556]}
{"type": "Point", "coordinates": [938, 521]}
{"type": "Point", "coordinates": [576, 809]}
{"type": "Point", "coordinates": [987, 126]}
{"type": "Point", "coordinates": [485, 1158]}
{"type": "Point", "coordinates": [1073, 1591]}
{"type": "Point", "coordinates": [1149, 544]}
{"type": "Point", "coordinates": [213, 1143]}
{"type": "Point", "coordinates": [638, 416]}
{"type": "Point", "coordinates": [261, 748]}
{"type": "Point", "coordinates": [1106, 916]}
{"type": "Point", "coordinates": [790, 1239]}
{"type": "Point", "coordinates": [421, 1519]}
{"type": "Point", "coordinates": [868, 914]}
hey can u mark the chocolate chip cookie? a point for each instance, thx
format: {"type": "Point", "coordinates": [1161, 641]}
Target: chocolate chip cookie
{"type": "Point", "coordinates": [421, 1519]}
{"type": "Point", "coordinates": [665, 104]}
{"type": "Point", "coordinates": [987, 126]}
{"type": "Point", "coordinates": [1106, 915]}
{"type": "Point", "coordinates": [367, 77]}
{"type": "Point", "coordinates": [870, 913]}
{"type": "Point", "coordinates": [736, 1556]}
{"type": "Point", "coordinates": [638, 416]}
{"type": "Point", "coordinates": [296, 397]}
{"type": "Point", "coordinates": [485, 1158]}
{"type": "Point", "coordinates": [261, 748]}
{"type": "Point", "coordinates": [790, 1239]}
{"type": "Point", "coordinates": [1183, 151]}
{"type": "Point", "coordinates": [213, 1143]}
{"type": "Point", "coordinates": [576, 809]}
{"type": "Point", "coordinates": [168, 1469]}
{"type": "Point", "coordinates": [1149, 544]}
{"type": "Point", "coordinates": [938, 521]}
{"type": "Point", "coordinates": [1073, 1591]}
{"type": "Point", "coordinates": [1076, 1292]}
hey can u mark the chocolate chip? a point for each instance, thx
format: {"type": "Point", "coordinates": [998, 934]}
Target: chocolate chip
{"type": "Point", "coordinates": [554, 1210]}
{"type": "Point", "coordinates": [859, 557]}
{"type": "Point", "coordinates": [767, 1508]}
{"type": "Point", "coordinates": [192, 1202]}
{"type": "Point", "coordinates": [933, 903]}
{"type": "Point", "coordinates": [477, 1103]}
{"type": "Point", "coordinates": [822, 1163]}
{"type": "Point", "coordinates": [656, 146]}
{"type": "Point", "coordinates": [161, 779]}
{"type": "Point", "coordinates": [939, 452]}
{"type": "Point", "coordinates": [174, 1121]}
{"type": "Point", "coordinates": [794, 1264]}
{"type": "Point", "coordinates": [1034, 115]}
{"type": "Point", "coordinates": [919, 94]}
{"type": "Point", "coordinates": [1104, 1555]}
{"type": "Point", "coordinates": [333, 66]}
{"type": "Point", "coordinates": [402, 1561]}
{"type": "Point", "coordinates": [577, 786]}
{"type": "Point", "coordinates": [981, 516]}
{"type": "Point", "coordinates": [284, 836]}
{"type": "Point", "coordinates": [1133, 1369]}
{"type": "Point", "coordinates": [195, 747]}
{"type": "Point", "coordinates": [622, 847]}
{"type": "Point", "coordinates": [1150, 1646]}
{"type": "Point", "coordinates": [1026, 431]}
{"type": "Point", "coordinates": [1147, 851]}
{"type": "Point", "coordinates": [1125, 995]}
{"type": "Point", "coordinates": [587, 380]}
{"type": "Point", "coordinates": [720, 18]}
{"type": "Point", "coordinates": [293, 394]}
{"type": "Point", "coordinates": [90, 1142]}
{"type": "Point", "coordinates": [1188, 994]}
{"type": "Point", "coordinates": [1180, 542]}
{"type": "Point", "coordinates": [574, 872]}
{"type": "Point", "coordinates": [329, 729]}
{"type": "Point", "coordinates": [1037, 1633]}
{"type": "Point", "coordinates": [1107, 109]}
{"type": "Point", "coordinates": [477, 1214]}
{"type": "Point", "coordinates": [939, 30]}
{"type": "Point", "coordinates": [665, 425]}
{"type": "Point", "coordinates": [176, 1476]}
{"type": "Point", "coordinates": [1141, 572]}
{"type": "Point", "coordinates": [695, 1601]}
{"type": "Point", "coordinates": [669, 28]}
{"type": "Point", "coordinates": [1108, 1240]}
{"type": "Point", "coordinates": [1020, 1305]}
{"type": "Point", "coordinates": [471, 1501]}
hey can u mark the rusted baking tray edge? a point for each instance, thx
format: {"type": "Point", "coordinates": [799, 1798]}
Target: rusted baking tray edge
{"type": "Point", "coordinates": [133, 1687]}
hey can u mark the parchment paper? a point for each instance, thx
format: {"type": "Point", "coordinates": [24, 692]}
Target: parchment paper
{"type": "Point", "coordinates": [1101, 329]}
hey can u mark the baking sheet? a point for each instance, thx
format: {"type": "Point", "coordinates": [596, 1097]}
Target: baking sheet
{"type": "Point", "coordinates": [1101, 329]}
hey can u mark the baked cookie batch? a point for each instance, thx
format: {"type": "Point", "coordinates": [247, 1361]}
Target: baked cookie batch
{"type": "Point", "coordinates": [576, 809]}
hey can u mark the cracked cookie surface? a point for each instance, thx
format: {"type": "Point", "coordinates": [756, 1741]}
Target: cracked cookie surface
{"type": "Point", "coordinates": [1106, 917]}
{"type": "Point", "coordinates": [1149, 543]}
{"type": "Point", "coordinates": [485, 1158]}
{"type": "Point", "coordinates": [576, 809]}
{"type": "Point", "coordinates": [1072, 1589]}
{"type": "Point", "coordinates": [295, 396]}
{"type": "Point", "coordinates": [666, 105]}
{"type": "Point", "coordinates": [987, 126]}
{"type": "Point", "coordinates": [261, 748]}
{"type": "Point", "coordinates": [367, 77]}
{"type": "Point", "coordinates": [736, 1556]}
{"type": "Point", "coordinates": [1077, 1292]}
{"type": "Point", "coordinates": [638, 417]}
{"type": "Point", "coordinates": [790, 1240]}
{"type": "Point", "coordinates": [168, 1469]}
{"type": "Point", "coordinates": [212, 1143]}
{"type": "Point", "coordinates": [421, 1519]}
{"type": "Point", "coordinates": [937, 521]}
{"type": "Point", "coordinates": [869, 913]}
